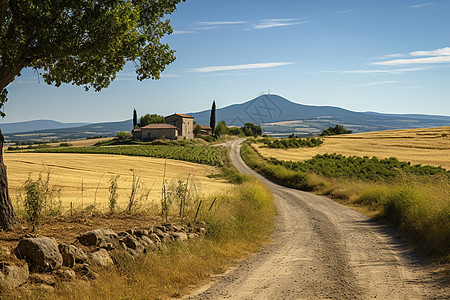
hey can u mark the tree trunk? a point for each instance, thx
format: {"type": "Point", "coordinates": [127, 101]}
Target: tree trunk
{"type": "Point", "coordinates": [8, 218]}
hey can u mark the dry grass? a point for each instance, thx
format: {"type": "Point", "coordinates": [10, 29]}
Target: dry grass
{"type": "Point", "coordinates": [71, 171]}
{"type": "Point", "coordinates": [427, 146]}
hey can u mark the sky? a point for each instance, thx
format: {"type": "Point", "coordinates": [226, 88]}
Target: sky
{"type": "Point", "coordinates": [362, 55]}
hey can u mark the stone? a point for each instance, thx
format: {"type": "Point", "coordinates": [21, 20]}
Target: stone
{"type": "Point", "coordinates": [132, 243]}
{"type": "Point", "coordinates": [141, 232]}
{"type": "Point", "coordinates": [13, 276]}
{"type": "Point", "coordinates": [192, 235]}
{"type": "Point", "coordinates": [103, 238]}
{"type": "Point", "coordinates": [69, 251]}
{"type": "Point", "coordinates": [155, 238]}
{"type": "Point", "coordinates": [42, 254]}
{"type": "Point", "coordinates": [179, 236]}
{"type": "Point", "coordinates": [67, 256]}
{"type": "Point", "coordinates": [100, 258]}
{"type": "Point", "coordinates": [148, 241]}
{"type": "Point", "coordinates": [162, 228]}
{"type": "Point", "coordinates": [66, 274]}
{"type": "Point", "coordinates": [40, 278]}
{"type": "Point", "coordinates": [86, 271]}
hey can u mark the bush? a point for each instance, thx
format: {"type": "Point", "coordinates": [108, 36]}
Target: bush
{"type": "Point", "coordinates": [338, 129]}
{"type": "Point", "coordinates": [39, 199]}
{"type": "Point", "coordinates": [123, 135]}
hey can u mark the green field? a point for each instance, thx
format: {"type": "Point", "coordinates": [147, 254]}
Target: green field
{"type": "Point", "coordinates": [198, 154]}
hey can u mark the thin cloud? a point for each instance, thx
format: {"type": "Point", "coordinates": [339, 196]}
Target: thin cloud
{"type": "Point", "coordinates": [239, 67]}
{"type": "Point", "coordinates": [222, 23]}
{"type": "Point", "coordinates": [182, 32]}
{"type": "Point", "coordinates": [437, 52]}
{"type": "Point", "coordinates": [270, 23]}
{"type": "Point", "coordinates": [437, 56]}
{"type": "Point", "coordinates": [343, 11]}
{"type": "Point", "coordinates": [370, 84]}
{"type": "Point", "coordinates": [408, 61]}
{"type": "Point", "coordinates": [422, 5]}
{"type": "Point", "coordinates": [394, 71]}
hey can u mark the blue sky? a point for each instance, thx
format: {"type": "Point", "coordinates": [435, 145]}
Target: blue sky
{"type": "Point", "coordinates": [362, 55]}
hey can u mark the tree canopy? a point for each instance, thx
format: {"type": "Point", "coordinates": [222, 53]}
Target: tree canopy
{"type": "Point", "coordinates": [151, 119]}
{"type": "Point", "coordinates": [338, 129]}
{"type": "Point", "coordinates": [83, 42]}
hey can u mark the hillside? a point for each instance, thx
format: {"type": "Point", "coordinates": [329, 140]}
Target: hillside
{"type": "Point", "coordinates": [279, 116]}
{"type": "Point", "coordinates": [36, 125]}
{"type": "Point", "coordinates": [81, 132]}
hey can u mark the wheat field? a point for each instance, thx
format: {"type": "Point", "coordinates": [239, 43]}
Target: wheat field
{"type": "Point", "coordinates": [426, 146]}
{"type": "Point", "coordinates": [78, 175]}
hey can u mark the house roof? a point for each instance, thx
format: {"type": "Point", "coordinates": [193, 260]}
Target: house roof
{"type": "Point", "coordinates": [159, 126]}
{"type": "Point", "coordinates": [205, 127]}
{"type": "Point", "coordinates": [181, 115]}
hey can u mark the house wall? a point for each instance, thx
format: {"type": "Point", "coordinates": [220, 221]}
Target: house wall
{"type": "Point", "coordinates": [137, 134]}
{"type": "Point", "coordinates": [186, 125]}
{"type": "Point", "coordinates": [157, 133]}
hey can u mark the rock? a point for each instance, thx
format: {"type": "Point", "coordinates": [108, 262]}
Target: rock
{"type": "Point", "coordinates": [103, 238]}
{"type": "Point", "coordinates": [192, 235]}
{"type": "Point", "coordinates": [71, 251]}
{"type": "Point", "coordinates": [179, 236]}
{"type": "Point", "coordinates": [67, 256]}
{"type": "Point", "coordinates": [100, 258]}
{"type": "Point", "coordinates": [13, 276]}
{"type": "Point", "coordinates": [177, 228]}
{"type": "Point", "coordinates": [66, 274]}
{"type": "Point", "coordinates": [42, 254]}
{"type": "Point", "coordinates": [202, 230]}
{"type": "Point", "coordinates": [155, 238]}
{"type": "Point", "coordinates": [85, 271]}
{"type": "Point", "coordinates": [162, 228]}
{"type": "Point", "coordinates": [148, 241]}
{"type": "Point", "coordinates": [132, 243]}
{"type": "Point", "coordinates": [141, 232]}
{"type": "Point", "coordinates": [39, 278]}
{"type": "Point", "coordinates": [168, 226]}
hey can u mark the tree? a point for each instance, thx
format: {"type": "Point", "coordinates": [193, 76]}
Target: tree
{"type": "Point", "coordinates": [251, 129]}
{"type": "Point", "coordinates": [151, 119]}
{"type": "Point", "coordinates": [212, 119]}
{"type": "Point", "coordinates": [134, 118]}
{"type": "Point", "coordinates": [221, 129]}
{"type": "Point", "coordinates": [81, 42]}
{"type": "Point", "coordinates": [197, 129]}
{"type": "Point", "coordinates": [338, 129]}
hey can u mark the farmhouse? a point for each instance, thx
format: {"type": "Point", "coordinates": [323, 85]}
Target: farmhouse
{"type": "Point", "coordinates": [205, 130]}
{"type": "Point", "coordinates": [185, 123]}
{"type": "Point", "coordinates": [177, 126]}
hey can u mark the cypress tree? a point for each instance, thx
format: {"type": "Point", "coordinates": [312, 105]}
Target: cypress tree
{"type": "Point", "coordinates": [134, 118]}
{"type": "Point", "coordinates": [212, 119]}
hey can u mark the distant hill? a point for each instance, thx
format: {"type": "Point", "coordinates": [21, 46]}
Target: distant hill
{"type": "Point", "coordinates": [36, 125]}
{"type": "Point", "coordinates": [81, 132]}
{"type": "Point", "coordinates": [276, 115]}
{"type": "Point", "coordinates": [279, 116]}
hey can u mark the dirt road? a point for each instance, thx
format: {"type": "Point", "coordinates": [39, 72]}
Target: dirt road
{"type": "Point", "coordinates": [323, 250]}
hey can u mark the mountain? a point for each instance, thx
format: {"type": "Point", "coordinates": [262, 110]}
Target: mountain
{"type": "Point", "coordinates": [80, 132]}
{"type": "Point", "coordinates": [279, 116]}
{"type": "Point", "coordinates": [36, 125]}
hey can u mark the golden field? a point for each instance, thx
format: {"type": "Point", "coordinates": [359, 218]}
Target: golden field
{"type": "Point", "coordinates": [72, 171]}
{"type": "Point", "coordinates": [426, 146]}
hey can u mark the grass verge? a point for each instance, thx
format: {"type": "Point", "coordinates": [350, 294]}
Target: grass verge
{"type": "Point", "coordinates": [237, 224]}
{"type": "Point", "coordinates": [417, 205]}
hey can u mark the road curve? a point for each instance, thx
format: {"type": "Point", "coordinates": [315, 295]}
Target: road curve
{"type": "Point", "coordinates": [323, 250]}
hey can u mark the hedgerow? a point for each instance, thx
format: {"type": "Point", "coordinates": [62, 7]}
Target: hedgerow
{"type": "Point", "coordinates": [355, 167]}
{"type": "Point", "coordinates": [291, 142]}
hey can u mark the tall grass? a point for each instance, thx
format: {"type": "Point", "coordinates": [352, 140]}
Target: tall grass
{"type": "Point", "coordinates": [418, 206]}
{"type": "Point", "coordinates": [238, 223]}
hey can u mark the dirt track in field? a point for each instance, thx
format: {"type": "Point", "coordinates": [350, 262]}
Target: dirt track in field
{"type": "Point", "coordinates": [323, 250]}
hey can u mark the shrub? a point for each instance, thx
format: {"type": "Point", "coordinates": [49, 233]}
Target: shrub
{"type": "Point", "coordinates": [113, 195]}
{"type": "Point", "coordinates": [39, 199]}
{"type": "Point", "coordinates": [123, 135]}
